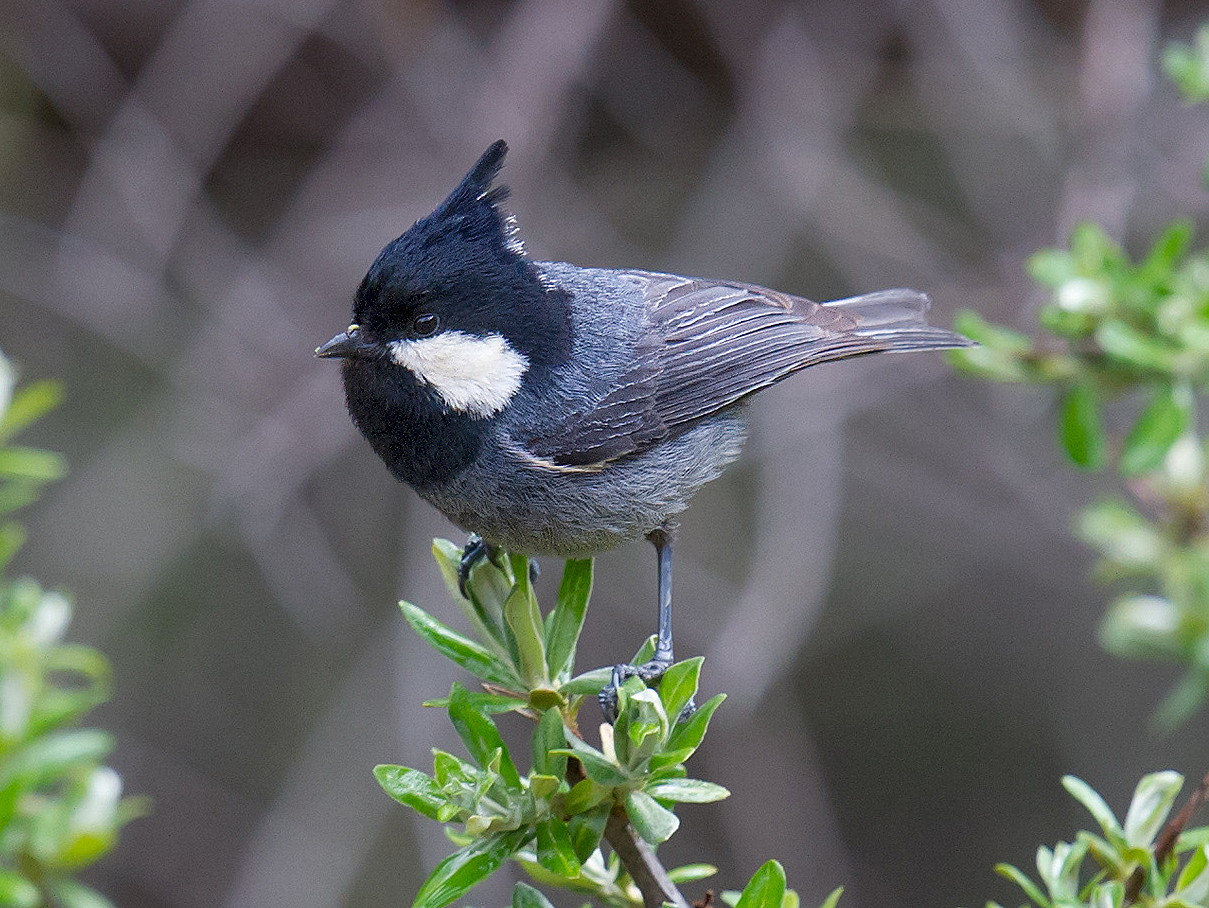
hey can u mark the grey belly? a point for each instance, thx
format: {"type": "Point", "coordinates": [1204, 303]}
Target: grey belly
{"type": "Point", "coordinates": [540, 511]}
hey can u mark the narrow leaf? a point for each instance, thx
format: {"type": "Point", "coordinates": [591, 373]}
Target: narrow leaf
{"type": "Point", "coordinates": [473, 657]}
{"type": "Point", "coordinates": [555, 850]}
{"type": "Point", "coordinates": [596, 765]}
{"type": "Point", "coordinates": [525, 620]}
{"type": "Point", "coordinates": [412, 788]}
{"type": "Point", "coordinates": [70, 894]}
{"type": "Point", "coordinates": [1020, 879]}
{"type": "Point", "coordinates": [587, 828]}
{"type": "Point", "coordinates": [525, 896]}
{"type": "Point", "coordinates": [588, 683]}
{"type": "Point", "coordinates": [690, 873]}
{"type": "Point", "coordinates": [679, 685]}
{"type": "Point", "coordinates": [689, 734]}
{"type": "Point", "coordinates": [1096, 806]}
{"type": "Point", "coordinates": [548, 735]}
{"type": "Point", "coordinates": [689, 791]}
{"type": "Point", "coordinates": [31, 463]}
{"type": "Point", "coordinates": [766, 889]}
{"type": "Point", "coordinates": [650, 819]}
{"type": "Point", "coordinates": [566, 621]}
{"type": "Point", "coordinates": [1152, 801]}
{"type": "Point", "coordinates": [462, 870]}
{"type": "Point", "coordinates": [1082, 432]}
{"type": "Point", "coordinates": [50, 756]}
{"type": "Point", "coordinates": [28, 403]}
{"type": "Point", "coordinates": [1152, 436]}
{"type": "Point", "coordinates": [479, 734]}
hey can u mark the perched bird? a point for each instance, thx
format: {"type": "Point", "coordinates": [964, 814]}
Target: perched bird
{"type": "Point", "coordinates": [558, 410]}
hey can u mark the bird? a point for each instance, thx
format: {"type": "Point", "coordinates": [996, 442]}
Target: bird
{"type": "Point", "coordinates": [558, 410]}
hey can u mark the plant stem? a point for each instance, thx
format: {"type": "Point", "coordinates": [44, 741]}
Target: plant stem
{"type": "Point", "coordinates": [1166, 841]}
{"type": "Point", "coordinates": [636, 856]}
{"type": "Point", "coordinates": [640, 862]}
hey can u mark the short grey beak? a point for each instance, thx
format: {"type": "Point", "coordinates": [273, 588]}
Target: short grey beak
{"type": "Point", "coordinates": [345, 345]}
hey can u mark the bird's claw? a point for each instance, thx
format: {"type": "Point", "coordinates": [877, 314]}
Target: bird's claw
{"type": "Point", "coordinates": [475, 550]}
{"type": "Point", "coordinates": [650, 672]}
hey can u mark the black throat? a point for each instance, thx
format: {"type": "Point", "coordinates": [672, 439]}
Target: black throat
{"type": "Point", "coordinates": [421, 442]}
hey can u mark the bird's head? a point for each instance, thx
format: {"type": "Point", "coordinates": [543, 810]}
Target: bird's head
{"type": "Point", "coordinates": [453, 314]}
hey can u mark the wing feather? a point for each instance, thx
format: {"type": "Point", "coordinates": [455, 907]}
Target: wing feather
{"type": "Point", "coordinates": [710, 344]}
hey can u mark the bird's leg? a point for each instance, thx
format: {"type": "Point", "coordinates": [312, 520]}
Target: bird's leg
{"type": "Point", "coordinates": [653, 670]}
{"type": "Point", "coordinates": [476, 549]}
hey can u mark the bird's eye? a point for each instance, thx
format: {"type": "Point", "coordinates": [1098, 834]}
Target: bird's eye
{"type": "Point", "coordinates": [425, 324]}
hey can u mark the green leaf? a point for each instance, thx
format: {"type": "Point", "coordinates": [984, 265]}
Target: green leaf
{"type": "Point", "coordinates": [690, 873]}
{"type": "Point", "coordinates": [1135, 348]}
{"type": "Point", "coordinates": [465, 868]}
{"type": "Point", "coordinates": [566, 621]}
{"type": "Point", "coordinates": [679, 685]}
{"type": "Point", "coordinates": [488, 586]}
{"type": "Point", "coordinates": [1152, 436]}
{"type": "Point", "coordinates": [588, 683]}
{"type": "Point", "coordinates": [1188, 67]}
{"type": "Point", "coordinates": [596, 765]}
{"type": "Point", "coordinates": [31, 463]}
{"type": "Point", "coordinates": [1051, 268]}
{"type": "Point", "coordinates": [1182, 702]}
{"type": "Point", "coordinates": [1082, 432]}
{"type": "Point", "coordinates": [688, 735]}
{"type": "Point", "coordinates": [766, 889]}
{"type": "Point", "coordinates": [650, 819]}
{"type": "Point", "coordinates": [479, 734]}
{"type": "Point", "coordinates": [473, 657]}
{"type": "Point", "coordinates": [555, 850]}
{"type": "Point", "coordinates": [50, 757]}
{"type": "Point", "coordinates": [1168, 249]}
{"type": "Point", "coordinates": [484, 702]}
{"type": "Point", "coordinates": [525, 896]}
{"type": "Point", "coordinates": [1152, 801]}
{"type": "Point", "coordinates": [1122, 534]}
{"type": "Point", "coordinates": [525, 620]}
{"type": "Point", "coordinates": [411, 787]}
{"type": "Point", "coordinates": [16, 891]}
{"type": "Point", "coordinates": [833, 899]}
{"type": "Point", "coordinates": [28, 404]}
{"type": "Point", "coordinates": [1141, 627]}
{"type": "Point", "coordinates": [1096, 806]}
{"type": "Point", "coordinates": [587, 829]}
{"type": "Point", "coordinates": [1030, 888]}
{"type": "Point", "coordinates": [688, 791]}
{"type": "Point", "coordinates": [1193, 883]}
{"type": "Point", "coordinates": [70, 894]}
{"type": "Point", "coordinates": [548, 735]}
{"type": "Point", "coordinates": [12, 537]}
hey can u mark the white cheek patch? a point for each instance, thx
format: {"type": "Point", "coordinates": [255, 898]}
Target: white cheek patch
{"type": "Point", "coordinates": [472, 374]}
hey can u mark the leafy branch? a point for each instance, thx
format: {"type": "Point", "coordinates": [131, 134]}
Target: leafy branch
{"type": "Point", "coordinates": [1126, 344]}
{"type": "Point", "coordinates": [553, 820]}
{"type": "Point", "coordinates": [1125, 863]}
{"type": "Point", "coordinates": [61, 807]}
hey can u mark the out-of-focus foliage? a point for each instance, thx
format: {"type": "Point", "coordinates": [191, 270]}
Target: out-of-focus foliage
{"type": "Point", "coordinates": [60, 805]}
{"type": "Point", "coordinates": [1127, 346]}
{"type": "Point", "coordinates": [1123, 863]}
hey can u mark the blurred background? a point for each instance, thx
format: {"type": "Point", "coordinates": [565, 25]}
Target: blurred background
{"type": "Point", "coordinates": [886, 584]}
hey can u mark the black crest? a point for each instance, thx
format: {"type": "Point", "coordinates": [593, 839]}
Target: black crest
{"type": "Point", "coordinates": [472, 210]}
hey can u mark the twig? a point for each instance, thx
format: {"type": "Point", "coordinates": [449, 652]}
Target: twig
{"type": "Point", "coordinates": [639, 859]}
{"type": "Point", "coordinates": [1166, 840]}
{"type": "Point", "coordinates": [636, 856]}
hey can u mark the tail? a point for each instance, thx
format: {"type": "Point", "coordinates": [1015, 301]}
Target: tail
{"type": "Point", "coordinates": [894, 321]}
